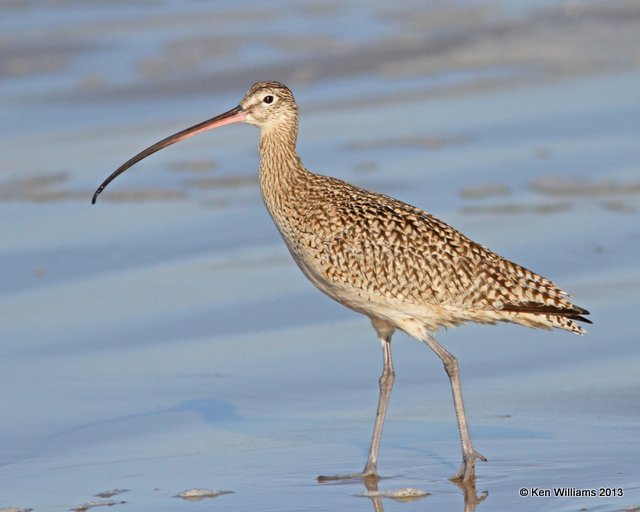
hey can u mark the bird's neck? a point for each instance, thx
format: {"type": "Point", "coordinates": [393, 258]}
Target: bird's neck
{"type": "Point", "coordinates": [281, 169]}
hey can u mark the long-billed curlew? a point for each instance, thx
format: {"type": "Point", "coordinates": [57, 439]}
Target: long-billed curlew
{"type": "Point", "coordinates": [393, 262]}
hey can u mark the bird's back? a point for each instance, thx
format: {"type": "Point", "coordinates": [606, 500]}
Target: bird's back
{"type": "Point", "coordinates": [390, 260]}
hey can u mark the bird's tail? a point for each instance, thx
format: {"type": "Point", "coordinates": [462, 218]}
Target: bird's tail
{"type": "Point", "coordinates": [544, 315]}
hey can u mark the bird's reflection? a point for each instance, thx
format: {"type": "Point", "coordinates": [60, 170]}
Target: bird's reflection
{"type": "Point", "coordinates": [471, 498]}
{"type": "Point", "coordinates": [469, 493]}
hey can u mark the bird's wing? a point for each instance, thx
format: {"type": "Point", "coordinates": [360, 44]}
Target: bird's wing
{"type": "Point", "coordinates": [391, 250]}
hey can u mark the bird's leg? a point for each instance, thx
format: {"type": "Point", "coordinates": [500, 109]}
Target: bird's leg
{"type": "Point", "coordinates": [386, 380]}
{"type": "Point", "coordinates": [386, 385]}
{"type": "Point", "coordinates": [466, 471]}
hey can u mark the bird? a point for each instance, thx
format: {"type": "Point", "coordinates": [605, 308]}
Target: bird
{"type": "Point", "coordinates": [398, 265]}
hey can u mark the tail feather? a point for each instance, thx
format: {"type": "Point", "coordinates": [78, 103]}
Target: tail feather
{"type": "Point", "coordinates": [568, 313]}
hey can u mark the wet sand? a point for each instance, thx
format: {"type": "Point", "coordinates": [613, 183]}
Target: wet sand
{"type": "Point", "coordinates": [161, 351]}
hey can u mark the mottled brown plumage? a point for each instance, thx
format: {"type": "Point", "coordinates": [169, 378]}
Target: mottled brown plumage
{"type": "Point", "coordinates": [364, 248]}
{"type": "Point", "coordinates": [402, 267]}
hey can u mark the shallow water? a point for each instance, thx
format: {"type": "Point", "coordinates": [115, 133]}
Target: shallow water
{"type": "Point", "coordinates": [163, 340]}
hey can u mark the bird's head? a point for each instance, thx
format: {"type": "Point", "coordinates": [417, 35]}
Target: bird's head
{"type": "Point", "coordinates": [267, 105]}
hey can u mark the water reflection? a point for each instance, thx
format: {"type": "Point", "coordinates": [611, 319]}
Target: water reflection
{"type": "Point", "coordinates": [471, 498]}
{"type": "Point", "coordinates": [469, 493]}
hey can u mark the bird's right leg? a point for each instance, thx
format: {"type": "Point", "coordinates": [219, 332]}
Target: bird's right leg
{"type": "Point", "coordinates": [466, 472]}
{"type": "Point", "coordinates": [386, 381]}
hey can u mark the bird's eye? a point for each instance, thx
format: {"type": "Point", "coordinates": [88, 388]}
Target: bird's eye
{"type": "Point", "coordinates": [268, 99]}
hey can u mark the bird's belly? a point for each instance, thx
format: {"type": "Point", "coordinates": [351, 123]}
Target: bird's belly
{"type": "Point", "coordinates": [416, 320]}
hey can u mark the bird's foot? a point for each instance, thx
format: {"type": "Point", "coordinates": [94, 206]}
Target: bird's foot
{"type": "Point", "coordinates": [369, 474]}
{"type": "Point", "coordinates": [467, 470]}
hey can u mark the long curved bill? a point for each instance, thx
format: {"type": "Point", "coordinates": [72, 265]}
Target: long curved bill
{"type": "Point", "coordinates": [235, 115]}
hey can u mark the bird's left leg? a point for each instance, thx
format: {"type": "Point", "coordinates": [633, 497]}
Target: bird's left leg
{"type": "Point", "coordinates": [466, 472]}
{"type": "Point", "coordinates": [386, 385]}
{"type": "Point", "coordinates": [386, 380]}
